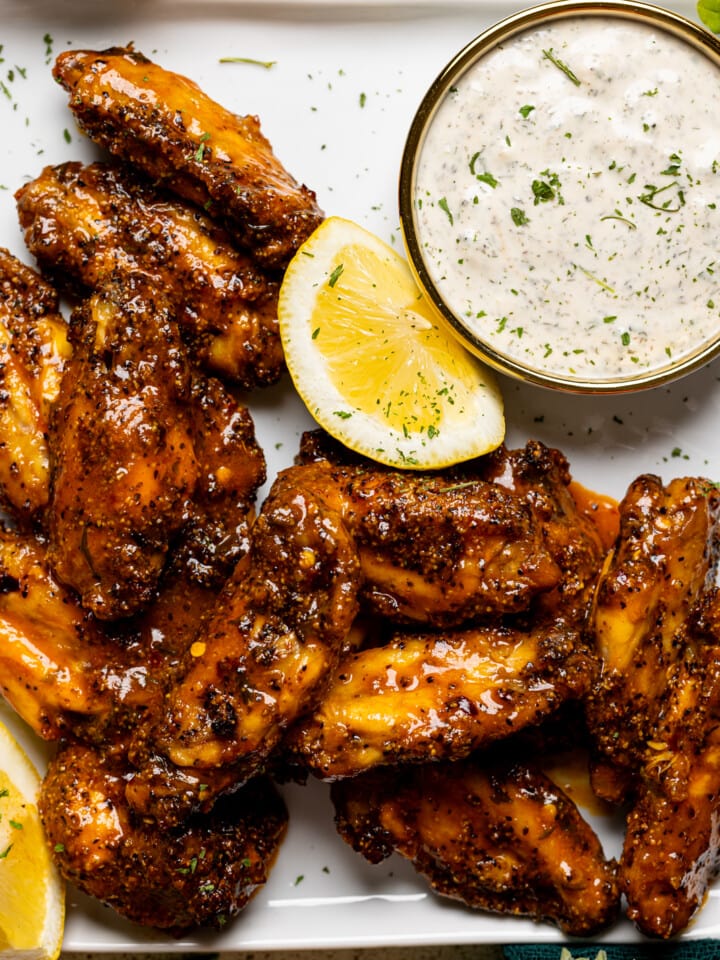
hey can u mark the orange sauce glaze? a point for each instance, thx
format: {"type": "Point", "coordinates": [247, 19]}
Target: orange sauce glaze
{"type": "Point", "coordinates": [601, 509]}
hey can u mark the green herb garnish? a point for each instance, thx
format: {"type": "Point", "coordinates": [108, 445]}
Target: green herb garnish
{"type": "Point", "coordinates": [561, 65]}
{"type": "Point", "coordinates": [443, 204]}
{"type": "Point", "coordinates": [709, 13]}
{"type": "Point", "coordinates": [335, 275]}
{"type": "Point", "coordinates": [267, 64]}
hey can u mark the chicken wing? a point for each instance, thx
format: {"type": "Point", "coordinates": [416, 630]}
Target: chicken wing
{"type": "Point", "coordinates": [199, 874]}
{"type": "Point", "coordinates": [671, 852]}
{"type": "Point", "coordinates": [434, 552]}
{"type": "Point", "coordinates": [423, 697]}
{"type": "Point", "coordinates": [69, 675]}
{"type": "Point", "coordinates": [505, 530]}
{"type": "Point", "coordinates": [497, 837]}
{"type": "Point", "coordinates": [124, 460]}
{"type": "Point", "coordinates": [664, 561]}
{"type": "Point", "coordinates": [33, 353]}
{"type": "Point", "coordinates": [88, 224]}
{"type": "Point", "coordinates": [166, 126]}
{"type": "Point", "coordinates": [654, 711]}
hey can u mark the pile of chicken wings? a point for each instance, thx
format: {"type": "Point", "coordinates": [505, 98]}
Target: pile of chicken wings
{"type": "Point", "coordinates": [424, 642]}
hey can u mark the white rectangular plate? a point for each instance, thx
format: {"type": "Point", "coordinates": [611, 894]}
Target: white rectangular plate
{"type": "Point", "coordinates": [336, 104]}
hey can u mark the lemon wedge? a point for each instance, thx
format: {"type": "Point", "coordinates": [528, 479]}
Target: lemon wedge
{"type": "Point", "coordinates": [32, 896]}
{"type": "Point", "coordinates": [373, 363]}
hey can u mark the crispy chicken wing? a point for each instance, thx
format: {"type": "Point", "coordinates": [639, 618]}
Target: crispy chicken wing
{"type": "Point", "coordinates": [671, 852]}
{"type": "Point", "coordinates": [33, 353]}
{"type": "Point", "coordinates": [654, 712]}
{"type": "Point", "coordinates": [498, 837]}
{"type": "Point", "coordinates": [423, 697]}
{"type": "Point", "coordinates": [461, 532]}
{"type": "Point", "coordinates": [199, 874]}
{"type": "Point", "coordinates": [263, 658]}
{"type": "Point", "coordinates": [434, 551]}
{"type": "Point", "coordinates": [664, 561]}
{"type": "Point", "coordinates": [124, 459]}
{"type": "Point", "coordinates": [66, 673]}
{"type": "Point", "coordinates": [166, 126]}
{"type": "Point", "coordinates": [87, 224]}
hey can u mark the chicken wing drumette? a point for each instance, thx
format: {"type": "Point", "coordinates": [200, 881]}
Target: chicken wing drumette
{"type": "Point", "coordinates": [164, 125]}
{"type": "Point", "coordinates": [87, 224]}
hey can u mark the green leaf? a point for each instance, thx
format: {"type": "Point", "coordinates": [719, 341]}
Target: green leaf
{"type": "Point", "coordinates": [709, 13]}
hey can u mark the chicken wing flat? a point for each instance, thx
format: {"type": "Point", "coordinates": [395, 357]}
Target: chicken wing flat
{"type": "Point", "coordinates": [423, 697]}
{"type": "Point", "coordinates": [654, 711]}
{"type": "Point", "coordinates": [671, 852]}
{"type": "Point", "coordinates": [664, 561]}
{"type": "Point", "coordinates": [200, 874]}
{"type": "Point", "coordinates": [505, 530]}
{"type": "Point", "coordinates": [123, 449]}
{"type": "Point", "coordinates": [33, 352]}
{"type": "Point", "coordinates": [88, 224]}
{"type": "Point", "coordinates": [163, 124]}
{"type": "Point", "coordinates": [501, 838]}
{"type": "Point", "coordinates": [434, 552]}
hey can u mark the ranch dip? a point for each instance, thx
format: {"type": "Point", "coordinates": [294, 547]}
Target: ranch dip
{"type": "Point", "coordinates": [567, 198]}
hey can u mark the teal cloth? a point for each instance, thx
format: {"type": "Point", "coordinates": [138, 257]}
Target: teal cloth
{"type": "Point", "coordinates": [687, 950]}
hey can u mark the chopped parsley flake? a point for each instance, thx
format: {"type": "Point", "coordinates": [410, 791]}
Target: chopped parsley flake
{"type": "Point", "coordinates": [335, 275]}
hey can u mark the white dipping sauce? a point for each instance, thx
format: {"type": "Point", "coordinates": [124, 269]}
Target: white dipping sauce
{"type": "Point", "coordinates": [568, 198]}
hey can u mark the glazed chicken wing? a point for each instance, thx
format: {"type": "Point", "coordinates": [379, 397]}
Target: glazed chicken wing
{"type": "Point", "coordinates": [498, 837]}
{"type": "Point", "coordinates": [68, 674]}
{"type": "Point", "coordinates": [164, 125]}
{"type": "Point", "coordinates": [654, 712]}
{"type": "Point", "coordinates": [263, 658]}
{"type": "Point", "coordinates": [33, 353]}
{"type": "Point", "coordinates": [199, 874]}
{"type": "Point", "coordinates": [671, 852]}
{"type": "Point", "coordinates": [88, 224]}
{"type": "Point", "coordinates": [423, 697]}
{"type": "Point", "coordinates": [664, 561]}
{"type": "Point", "coordinates": [124, 460]}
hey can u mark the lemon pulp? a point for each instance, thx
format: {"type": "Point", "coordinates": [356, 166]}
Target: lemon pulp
{"type": "Point", "coordinates": [31, 893]}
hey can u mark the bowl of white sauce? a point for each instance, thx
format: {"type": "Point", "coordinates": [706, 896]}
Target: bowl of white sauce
{"type": "Point", "coordinates": [560, 195]}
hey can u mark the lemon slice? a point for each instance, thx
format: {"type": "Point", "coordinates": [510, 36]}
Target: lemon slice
{"type": "Point", "coordinates": [372, 361]}
{"type": "Point", "coordinates": [32, 896]}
